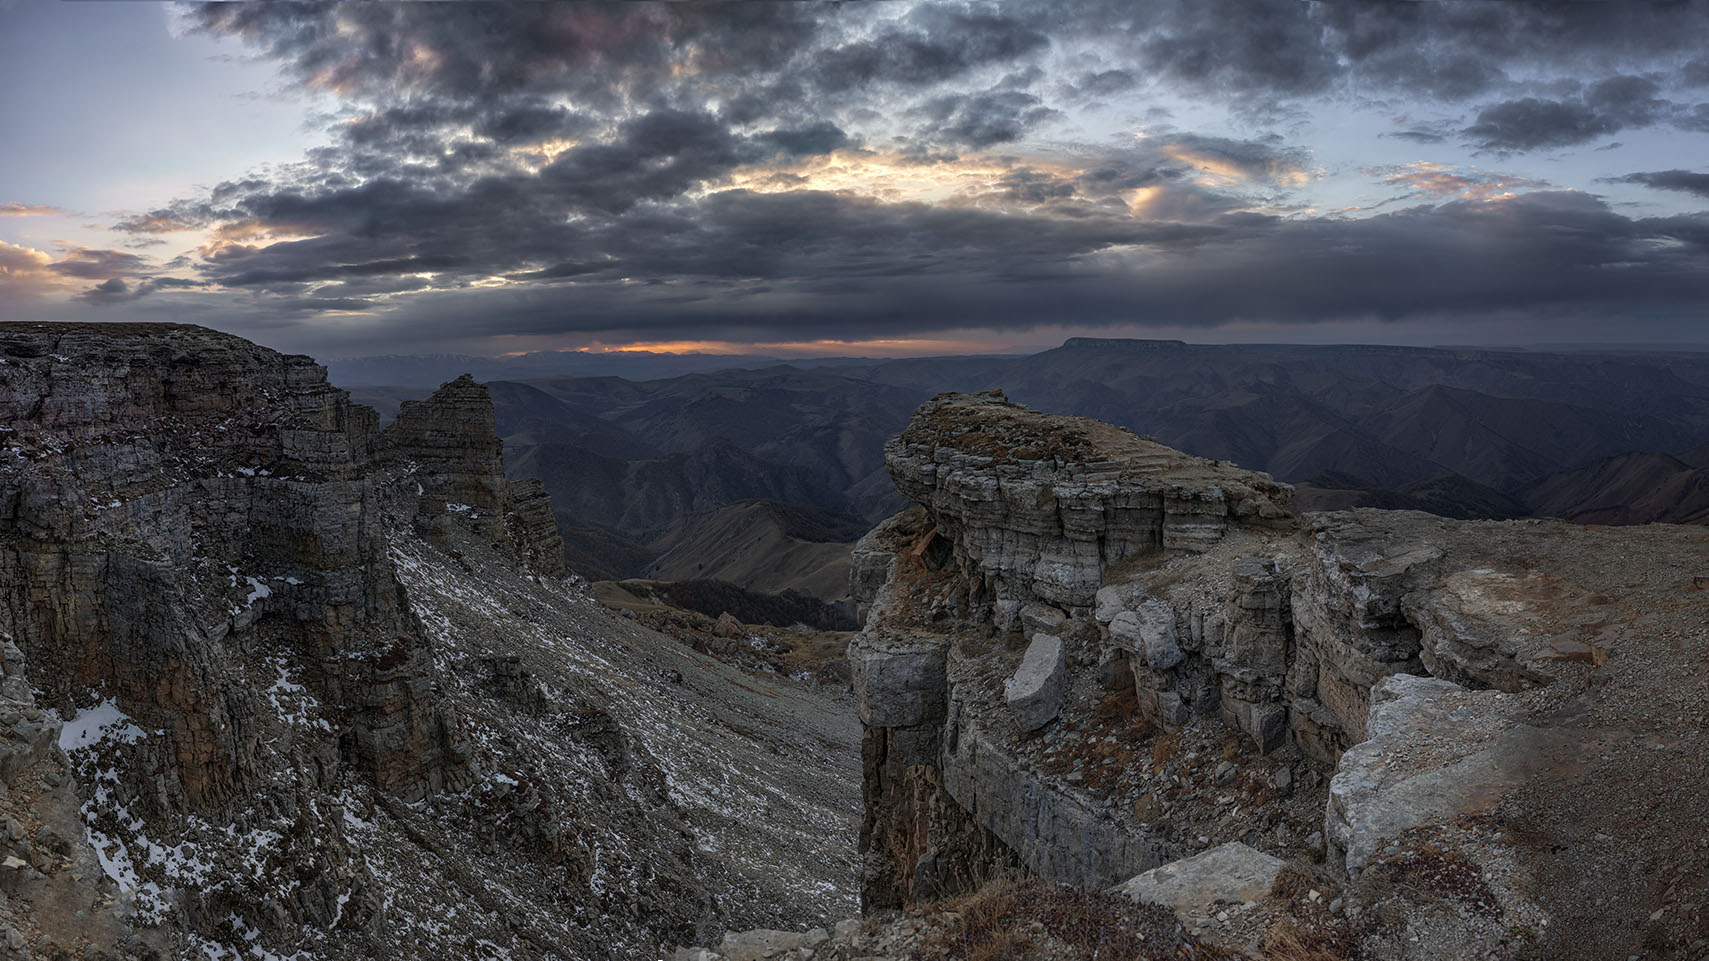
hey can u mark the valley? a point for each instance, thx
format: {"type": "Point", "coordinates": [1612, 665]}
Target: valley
{"type": "Point", "coordinates": [762, 477]}
{"type": "Point", "coordinates": [282, 682]}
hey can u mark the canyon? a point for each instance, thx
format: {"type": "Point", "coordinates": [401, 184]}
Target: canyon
{"type": "Point", "coordinates": [280, 683]}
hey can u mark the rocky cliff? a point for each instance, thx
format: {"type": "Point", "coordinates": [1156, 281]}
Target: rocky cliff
{"type": "Point", "coordinates": [1086, 657]}
{"type": "Point", "coordinates": [278, 684]}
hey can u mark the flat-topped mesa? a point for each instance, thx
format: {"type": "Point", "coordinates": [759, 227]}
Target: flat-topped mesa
{"type": "Point", "coordinates": [1043, 504]}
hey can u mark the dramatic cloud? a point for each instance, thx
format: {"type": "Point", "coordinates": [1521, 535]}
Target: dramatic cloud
{"type": "Point", "coordinates": [490, 170]}
{"type": "Point", "coordinates": [17, 262]}
{"type": "Point", "coordinates": [1685, 180]}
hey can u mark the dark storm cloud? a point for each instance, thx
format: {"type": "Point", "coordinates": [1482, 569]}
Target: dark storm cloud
{"type": "Point", "coordinates": [115, 290]}
{"type": "Point", "coordinates": [1684, 180]}
{"type": "Point", "coordinates": [817, 138]}
{"type": "Point", "coordinates": [107, 291]}
{"type": "Point", "coordinates": [621, 206]}
{"type": "Point", "coordinates": [1607, 106]}
{"type": "Point", "coordinates": [491, 50]}
{"type": "Point", "coordinates": [983, 119]}
{"type": "Point", "coordinates": [932, 45]}
{"type": "Point", "coordinates": [807, 265]}
{"type": "Point", "coordinates": [90, 264]}
{"type": "Point", "coordinates": [1530, 123]}
{"type": "Point", "coordinates": [587, 153]}
{"type": "Point", "coordinates": [1550, 255]}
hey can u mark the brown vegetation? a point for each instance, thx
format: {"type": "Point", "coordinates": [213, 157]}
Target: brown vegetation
{"type": "Point", "coordinates": [1008, 921]}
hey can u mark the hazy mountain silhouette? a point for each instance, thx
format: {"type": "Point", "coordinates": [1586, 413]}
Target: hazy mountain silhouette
{"type": "Point", "coordinates": [643, 471]}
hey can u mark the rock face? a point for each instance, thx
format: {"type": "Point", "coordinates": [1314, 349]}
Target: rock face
{"type": "Point", "coordinates": [1034, 691]}
{"type": "Point", "coordinates": [1041, 505]}
{"type": "Point", "coordinates": [273, 683]}
{"type": "Point", "coordinates": [165, 487]}
{"type": "Point", "coordinates": [1400, 698]}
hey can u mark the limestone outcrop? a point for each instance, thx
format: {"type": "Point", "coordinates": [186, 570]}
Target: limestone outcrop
{"type": "Point", "coordinates": [275, 684]}
{"type": "Point", "coordinates": [447, 449]}
{"type": "Point", "coordinates": [166, 486]}
{"type": "Point", "coordinates": [1383, 695]}
{"type": "Point", "coordinates": [1040, 505]}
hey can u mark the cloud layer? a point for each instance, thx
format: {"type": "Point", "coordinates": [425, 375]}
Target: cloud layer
{"type": "Point", "coordinates": [782, 171]}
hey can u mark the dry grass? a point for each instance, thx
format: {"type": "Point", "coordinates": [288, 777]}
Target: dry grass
{"type": "Point", "coordinates": [1444, 873]}
{"type": "Point", "coordinates": [1164, 750]}
{"type": "Point", "coordinates": [1010, 921]}
{"type": "Point", "coordinates": [1288, 940]}
{"type": "Point", "coordinates": [1104, 750]}
{"type": "Point", "coordinates": [1292, 882]}
{"type": "Point", "coordinates": [1304, 930]}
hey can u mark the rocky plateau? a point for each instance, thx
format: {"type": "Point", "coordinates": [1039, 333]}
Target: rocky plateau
{"type": "Point", "coordinates": [1087, 659]}
{"type": "Point", "coordinates": [278, 684]}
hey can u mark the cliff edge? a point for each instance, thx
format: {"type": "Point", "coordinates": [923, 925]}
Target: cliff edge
{"type": "Point", "coordinates": [1090, 660]}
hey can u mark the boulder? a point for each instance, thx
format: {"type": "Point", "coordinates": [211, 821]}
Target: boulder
{"type": "Point", "coordinates": [760, 943]}
{"type": "Point", "coordinates": [1042, 619]}
{"type": "Point", "coordinates": [897, 683]}
{"type": "Point", "coordinates": [1150, 633]}
{"type": "Point", "coordinates": [1034, 692]}
{"type": "Point", "coordinates": [1231, 872]}
{"type": "Point", "coordinates": [1111, 600]}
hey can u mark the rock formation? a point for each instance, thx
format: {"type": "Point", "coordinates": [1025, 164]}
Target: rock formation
{"type": "Point", "coordinates": [275, 683]}
{"type": "Point", "coordinates": [1425, 709]}
{"type": "Point", "coordinates": [1040, 505]}
{"type": "Point", "coordinates": [167, 487]}
{"type": "Point", "coordinates": [448, 448]}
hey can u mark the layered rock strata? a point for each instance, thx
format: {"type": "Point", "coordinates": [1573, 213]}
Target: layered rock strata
{"type": "Point", "coordinates": [1041, 505]}
{"type": "Point", "coordinates": [1394, 695]}
{"type": "Point", "coordinates": [164, 488]}
{"type": "Point", "coordinates": [1021, 514]}
{"type": "Point", "coordinates": [274, 684]}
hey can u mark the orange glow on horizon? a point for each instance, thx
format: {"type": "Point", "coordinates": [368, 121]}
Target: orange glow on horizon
{"type": "Point", "coordinates": [874, 347]}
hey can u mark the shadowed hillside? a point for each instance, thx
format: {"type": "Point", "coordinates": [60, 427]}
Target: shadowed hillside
{"type": "Point", "coordinates": [645, 473]}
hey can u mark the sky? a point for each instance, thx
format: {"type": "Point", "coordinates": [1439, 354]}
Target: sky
{"type": "Point", "coordinates": [862, 178]}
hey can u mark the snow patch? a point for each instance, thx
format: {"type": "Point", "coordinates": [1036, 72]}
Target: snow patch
{"type": "Point", "coordinates": [103, 722]}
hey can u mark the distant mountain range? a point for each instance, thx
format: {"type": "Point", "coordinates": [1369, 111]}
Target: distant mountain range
{"type": "Point", "coordinates": [417, 371]}
{"type": "Point", "coordinates": [643, 472]}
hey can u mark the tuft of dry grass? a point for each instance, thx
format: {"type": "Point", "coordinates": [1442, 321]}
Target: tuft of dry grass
{"type": "Point", "coordinates": [1291, 882]}
{"type": "Point", "coordinates": [1164, 750]}
{"type": "Point", "coordinates": [1445, 873]}
{"type": "Point", "coordinates": [1290, 941]}
{"type": "Point", "coordinates": [1008, 921]}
